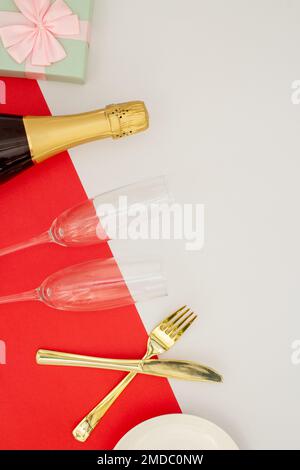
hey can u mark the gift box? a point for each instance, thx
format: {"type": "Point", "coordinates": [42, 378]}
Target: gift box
{"type": "Point", "coordinates": [45, 39]}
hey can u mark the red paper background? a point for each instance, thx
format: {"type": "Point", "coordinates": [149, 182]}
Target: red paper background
{"type": "Point", "coordinates": [39, 405]}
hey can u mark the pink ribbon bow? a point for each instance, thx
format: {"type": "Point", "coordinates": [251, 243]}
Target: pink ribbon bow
{"type": "Point", "coordinates": [34, 37]}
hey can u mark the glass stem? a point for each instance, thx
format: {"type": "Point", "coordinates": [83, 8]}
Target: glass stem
{"type": "Point", "coordinates": [45, 237]}
{"type": "Point", "coordinates": [33, 294]}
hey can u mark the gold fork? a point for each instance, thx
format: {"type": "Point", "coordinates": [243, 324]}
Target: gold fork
{"type": "Point", "coordinates": [160, 340]}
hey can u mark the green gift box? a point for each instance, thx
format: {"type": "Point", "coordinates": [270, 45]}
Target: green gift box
{"type": "Point", "coordinates": [45, 39]}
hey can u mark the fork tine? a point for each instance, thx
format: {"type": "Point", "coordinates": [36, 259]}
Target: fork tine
{"type": "Point", "coordinates": [172, 325]}
{"type": "Point", "coordinates": [180, 332]}
{"type": "Point", "coordinates": [177, 326]}
{"type": "Point", "coordinates": [167, 320]}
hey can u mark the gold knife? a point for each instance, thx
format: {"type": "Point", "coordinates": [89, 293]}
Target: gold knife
{"type": "Point", "coordinates": [184, 370]}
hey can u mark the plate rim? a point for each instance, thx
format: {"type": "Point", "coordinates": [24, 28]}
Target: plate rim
{"type": "Point", "coordinates": [188, 416]}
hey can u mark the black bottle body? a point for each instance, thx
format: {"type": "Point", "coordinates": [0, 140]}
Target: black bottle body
{"type": "Point", "coordinates": [14, 149]}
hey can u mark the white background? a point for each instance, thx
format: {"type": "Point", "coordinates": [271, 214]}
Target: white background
{"type": "Point", "coordinates": [216, 76]}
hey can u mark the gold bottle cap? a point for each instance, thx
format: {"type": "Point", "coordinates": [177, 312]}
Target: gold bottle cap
{"type": "Point", "coordinates": [127, 118]}
{"type": "Point", "coordinates": [49, 135]}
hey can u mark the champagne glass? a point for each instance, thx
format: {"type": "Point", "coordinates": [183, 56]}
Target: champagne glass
{"type": "Point", "coordinates": [98, 285]}
{"type": "Point", "coordinates": [102, 218]}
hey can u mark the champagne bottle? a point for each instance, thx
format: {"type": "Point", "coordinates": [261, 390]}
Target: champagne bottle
{"type": "Point", "coordinates": [29, 140]}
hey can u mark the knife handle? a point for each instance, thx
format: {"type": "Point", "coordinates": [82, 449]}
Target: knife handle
{"type": "Point", "coordinates": [57, 358]}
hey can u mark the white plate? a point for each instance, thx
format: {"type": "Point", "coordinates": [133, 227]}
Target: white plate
{"type": "Point", "coordinates": [176, 432]}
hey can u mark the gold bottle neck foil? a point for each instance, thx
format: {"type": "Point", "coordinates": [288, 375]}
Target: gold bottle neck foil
{"type": "Point", "coordinates": [50, 135]}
